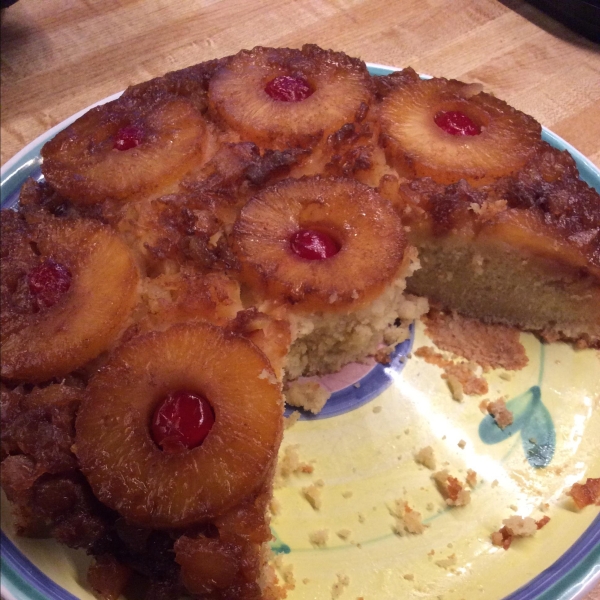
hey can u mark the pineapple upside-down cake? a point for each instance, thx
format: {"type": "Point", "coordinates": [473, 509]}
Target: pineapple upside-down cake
{"type": "Point", "coordinates": [221, 231]}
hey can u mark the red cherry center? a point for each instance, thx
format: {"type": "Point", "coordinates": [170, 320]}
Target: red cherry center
{"type": "Point", "coordinates": [288, 89]}
{"type": "Point", "coordinates": [48, 282]}
{"type": "Point", "coordinates": [182, 421]}
{"type": "Point", "coordinates": [313, 245]}
{"type": "Point", "coordinates": [455, 122]}
{"type": "Point", "coordinates": [127, 138]}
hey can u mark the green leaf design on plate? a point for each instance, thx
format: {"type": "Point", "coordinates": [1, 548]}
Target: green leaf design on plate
{"type": "Point", "coordinates": [278, 546]}
{"type": "Point", "coordinates": [538, 435]}
{"type": "Point", "coordinates": [533, 420]}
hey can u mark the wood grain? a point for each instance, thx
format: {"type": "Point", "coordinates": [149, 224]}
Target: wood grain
{"type": "Point", "coordinates": [59, 57]}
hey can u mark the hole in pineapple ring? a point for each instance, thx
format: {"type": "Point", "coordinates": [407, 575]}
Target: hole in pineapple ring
{"type": "Point", "coordinates": [313, 244]}
{"type": "Point", "coordinates": [181, 421]}
{"type": "Point", "coordinates": [456, 122]}
{"type": "Point", "coordinates": [288, 88]}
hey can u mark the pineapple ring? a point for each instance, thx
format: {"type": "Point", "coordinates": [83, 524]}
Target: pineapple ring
{"type": "Point", "coordinates": [366, 227]}
{"type": "Point", "coordinates": [87, 318]}
{"type": "Point", "coordinates": [128, 471]}
{"type": "Point", "coordinates": [417, 147]}
{"type": "Point", "coordinates": [237, 94]}
{"type": "Point", "coordinates": [83, 164]}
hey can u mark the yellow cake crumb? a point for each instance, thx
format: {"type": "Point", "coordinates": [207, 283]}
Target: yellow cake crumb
{"type": "Point", "coordinates": [445, 563]}
{"type": "Point", "coordinates": [426, 457]}
{"type": "Point", "coordinates": [343, 581]}
{"type": "Point", "coordinates": [344, 534]}
{"type": "Point", "coordinates": [463, 373]}
{"type": "Point", "coordinates": [319, 537]}
{"type": "Point", "coordinates": [456, 388]}
{"type": "Point", "coordinates": [308, 395]}
{"type": "Point", "coordinates": [312, 494]}
{"type": "Point", "coordinates": [286, 572]}
{"type": "Point", "coordinates": [471, 478]}
{"type": "Point", "coordinates": [290, 464]}
{"type": "Point", "coordinates": [517, 526]}
{"type": "Point", "coordinates": [291, 420]}
{"type": "Point", "coordinates": [407, 520]}
{"type": "Point", "coordinates": [461, 444]}
{"type": "Point", "coordinates": [501, 414]}
{"type": "Point", "coordinates": [452, 489]}
{"type": "Point", "coordinates": [520, 526]}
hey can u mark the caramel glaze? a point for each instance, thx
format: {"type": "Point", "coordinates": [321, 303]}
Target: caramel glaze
{"type": "Point", "coordinates": [547, 196]}
{"type": "Point", "coordinates": [181, 224]}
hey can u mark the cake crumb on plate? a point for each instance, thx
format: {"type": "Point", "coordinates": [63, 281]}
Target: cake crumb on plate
{"type": "Point", "coordinates": [501, 414]}
{"type": "Point", "coordinates": [491, 346]}
{"type": "Point", "coordinates": [426, 457]}
{"type": "Point", "coordinates": [290, 421]}
{"type": "Point", "coordinates": [312, 494]}
{"type": "Point", "coordinates": [308, 395]}
{"type": "Point", "coordinates": [587, 493]}
{"type": "Point", "coordinates": [471, 478]}
{"type": "Point", "coordinates": [463, 373]}
{"type": "Point", "coordinates": [407, 520]}
{"type": "Point", "coordinates": [290, 464]}
{"type": "Point", "coordinates": [456, 388]}
{"type": "Point", "coordinates": [319, 537]}
{"type": "Point", "coordinates": [517, 526]}
{"type": "Point", "coordinates": [445, 563]}
{"type": "Point", "coordinates": [337, 589]}
{"type": "Point", "coordinates": [452, 489]}
{"type": "Point", "coordinates": [286, 572]}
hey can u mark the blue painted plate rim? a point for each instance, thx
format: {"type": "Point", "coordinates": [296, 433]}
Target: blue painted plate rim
{"type": "Point", "coordinates": [572, 576]}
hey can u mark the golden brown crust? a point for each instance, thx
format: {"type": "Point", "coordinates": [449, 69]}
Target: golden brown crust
{"type": "Point", "coordinates": [82, 163]}
{"type": "Point", "coordinates": [341, 86]}
{"type": "Point", "coordinates": [125, 467]}
{"type": "Point", "coordinates": [41, 343]}
{"type": "Point", "coordinates": [371, 239]}
{"type": "Point", "coordinates": [417, 147]}
{"type": "Point", "coordinates": [180, 202]}
{"type": "Point", "coordinates": [558, 213]}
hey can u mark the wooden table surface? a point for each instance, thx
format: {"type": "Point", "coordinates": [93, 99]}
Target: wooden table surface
{"type": "Point", "coordinates": [60, 56]}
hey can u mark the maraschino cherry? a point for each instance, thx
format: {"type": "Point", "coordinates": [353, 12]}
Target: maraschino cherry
{"type": "Point", "coordinates": [288, 89]}
{"type": "Point", "coordinates": [455, 122]}
{"type": "Point", "coordinates": [127, 138]}
{"type": "Point", "coordinates": [47, 283]}
{"type": "Point", "coordinates": [182, 421]}
{"type": "Point", "coordinates": [313, 245]}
